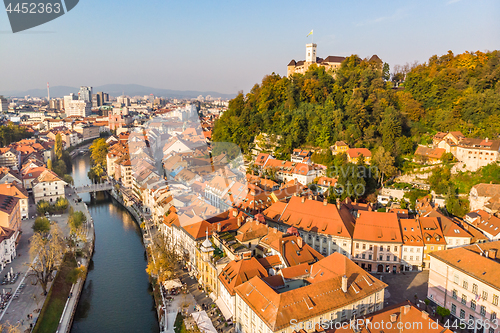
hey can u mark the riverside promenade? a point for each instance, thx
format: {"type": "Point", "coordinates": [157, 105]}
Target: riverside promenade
{"type": "Point", "coordinates": [69, 309]}
{"type": "Point", "coordinates": [24, 310]}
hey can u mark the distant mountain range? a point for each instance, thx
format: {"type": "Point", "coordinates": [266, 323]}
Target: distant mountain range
{"type": "Point", "coordinates": [116, 90]}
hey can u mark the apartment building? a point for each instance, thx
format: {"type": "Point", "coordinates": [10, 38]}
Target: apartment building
{"type": "Point", "coordinates": [377, 242]}
{"type": "Point", "coordinates": [327, 228]}
{"type": "Point", "coordinates": [333, 289]}
{"type": "Point", "coordinates": [465, 280]}
{"type": "Point", "coordinates": [413, 245]}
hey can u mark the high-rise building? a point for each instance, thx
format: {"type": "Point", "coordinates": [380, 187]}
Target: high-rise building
{"type": "Point", "coordinates": [79, 108]}
{"type": "Point", "coordinates": [85, 94]}
{"type": "Point", "coordinates": [101, 98]}
{"type": "Point", "coordinates": [4, 105]}
{"type": "Point", "coordinates": [68, 99]}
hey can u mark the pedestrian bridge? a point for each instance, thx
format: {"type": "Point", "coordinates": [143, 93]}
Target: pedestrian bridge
{"type": "Point", "coordinates": [94, 188]}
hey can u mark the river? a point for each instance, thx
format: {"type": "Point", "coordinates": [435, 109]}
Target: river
{"type": "Point", "coordinates": [117, 295]}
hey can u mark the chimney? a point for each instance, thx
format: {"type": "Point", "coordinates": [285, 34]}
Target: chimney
{"type": "Point", "coordinates": [486, 253]}
{"type": "Point", "coordinates": [299, 242]}
{"type": "Point", "coordinates": [325, 202]}
{"type": "Point", "coordinates": [486, 139]}
{"type": "Point", "coordinates": [235, 213]}
{"type": "Point", "coordinates": [405, 309]}
{"type": "Point", "coordinates": [310, 197]}
{"type": "Point", "coordinates": [219, 228]}
{"type": "Point", "coordinates": [303, 199]}
{"type": "Point", "coordinates": [355, 201]}
{"type": "Point", "coordinates": [239, 222]}
{"type": "Point", "coordinates": [344, 283]}
{"type": "Point", "coordinates": [275, 230]}
{"type": "Point", "coordinates": [394, 317]}
{"type": "Point", "coordinates": [425, 315]}
{"type": "Point", "coordinates": [492, 253]}
{"type": "Point", "coordinates": [338, 203]}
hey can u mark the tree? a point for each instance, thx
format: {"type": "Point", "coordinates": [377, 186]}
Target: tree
{"type": "Point", "coordinates": [386, 72]}
{"type": "Point", "coordinates": [385, 164]}
{"type": "Point", "coordinates": [76, 220]}
{"type": "Point", "coordinates": [164, 257]}
{"type": "Point", "coordinates": [61, 204]}
{"type": "Point", "coordinates": [46, 255]}
{"type": "Point", "coordinates": [58, 147]}
{"type": "Point", "coordinates": [42, 207]}
{"type": "Point", "coordinates": [77, 273]}
{"type": "Point", "coordinates": [8, 328]}
{"type": "Point", "coordinates": [99, 151]}
{"type": "Point", "coordinates": [443, 312]}
{"type": "Point", "coordinates": [41, 225]}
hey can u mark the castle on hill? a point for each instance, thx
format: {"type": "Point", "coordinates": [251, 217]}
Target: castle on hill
{"type": "Point", "coordinates": [330, 62]}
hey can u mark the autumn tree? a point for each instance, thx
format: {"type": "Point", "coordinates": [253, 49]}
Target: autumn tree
{"type": "Point", "coordinates": [76, 222]}
{"type": "Point", "coordinates": [99, 151]}
{"type": "Point", "coordinates": [58, 147]}
{"type": "Point", "coordinates": [385, 164]}
{"type": "Point", "coordinates": [42, 207]}
{"type": "Point", "coordinates": [41, 225]}
{"type": "Point", "coordinates": [49, 164]}
{"type": "Point", "coordinates": [46, 255]}
{"type": "Point", "coordinates": [163, 257]}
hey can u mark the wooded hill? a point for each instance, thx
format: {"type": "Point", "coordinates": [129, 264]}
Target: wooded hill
{"type": "Point", "coordinates": [361, 107]}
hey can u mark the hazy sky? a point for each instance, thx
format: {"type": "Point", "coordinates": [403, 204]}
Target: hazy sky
{"type": "Point", "coordinates": [227, 46]}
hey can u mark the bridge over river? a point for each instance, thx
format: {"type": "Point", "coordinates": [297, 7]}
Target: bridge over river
{"type": "Point", "coordinates": [94, 188]}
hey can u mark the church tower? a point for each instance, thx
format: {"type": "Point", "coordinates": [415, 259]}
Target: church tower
{"type": "Point", "coordinates": [311, 53]}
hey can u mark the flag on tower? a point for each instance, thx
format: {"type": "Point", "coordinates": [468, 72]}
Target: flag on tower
{"type": "Point", "coordinates": [309, 34]}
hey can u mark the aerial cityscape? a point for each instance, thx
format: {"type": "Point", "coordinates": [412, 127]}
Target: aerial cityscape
{"type": "Point", "coordinates": [314, 183]}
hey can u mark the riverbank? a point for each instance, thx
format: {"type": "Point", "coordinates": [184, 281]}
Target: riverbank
{"type": "Point", "coordinates": [68, 314]}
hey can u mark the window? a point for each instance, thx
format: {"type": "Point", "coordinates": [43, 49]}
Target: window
{"type": "Point", "coordinates": [483, 310]}
{"type": "Point", "coordinates": [474, 289]}
{"type": "Point", "coordinates": [395, 248]}
{"type": "Point", "coordinates": [453, 309]}
{"type": "Point", "coordinates": [456, 279]}
{"type": "Point", "coordinates": [454, 294]}
{"type": "Point", "coordinates": [395, 258]}
{"type": "Point", "coordinates": [473, 305]}
{"type": "Point", "coordinates": [465, 285]}
{"type": "Point", "coordinates": [357, 245]}
{"type": "Point", "coordinates": [491, 330]}
{"type": "Point", "coordinates": [464, 299]}
{"type": "Point", "coordinates": [493, 316]}
{"type": "Point", "coordinates": [411, 257]}
{"type": "Point", "coordinates": [381, 258]}
{"type": "Point", "coordinates": [462, 314]}
{"type": "Point", "coordinates": [363, 256]}
{"type": "Point", "coordinates": [484, 296]}
{"type": "Point", "coordinates": [495, 300]}
{"type": "Point", "coordinates": [364, 246]}
{"type": "Point", "coordinates": [371, 247]}
{"type": "Point", "coordinates": [369, 257]}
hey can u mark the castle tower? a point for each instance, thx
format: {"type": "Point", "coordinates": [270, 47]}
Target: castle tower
{"type": "Point", "coordinates": [311, 53]}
